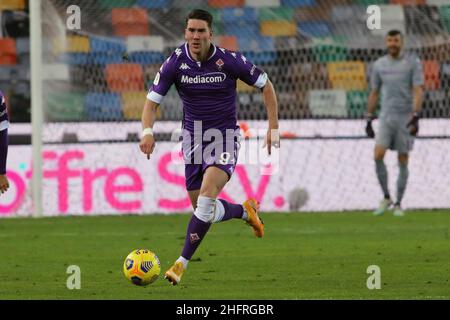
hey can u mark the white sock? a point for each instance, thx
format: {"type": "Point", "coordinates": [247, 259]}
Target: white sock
{"type": "Point", "coordinates": [183, 260]}
{"type": "Point", "coordinates": [245, 215]}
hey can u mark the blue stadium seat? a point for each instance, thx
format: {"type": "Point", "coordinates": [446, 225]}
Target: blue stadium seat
{"type": "Point", "coordinates": [103, 58]}
{"type": "Point", "coordinates": [74, 58]}
{"type": "Point", "coordinates": [147, 57]}
{"type": "Point", "coordinates": [107, 44]}
{"type": "Point", "coordinates": [258, 58]}
{"type": "Point", "coordinates": [235, 15]}
{"type": "Point", "coordinates": [298, 3]}
{"type": "Point", "coordinates": [103, 106]}
{"type": "Point", "coordinates": [256, 43]}
{"type": "Point", "coordinates": [314, 29]}
{"type": "Point", "coordinates": [154, 4]}
{"type": "Point", "coordinates": [241, 29]}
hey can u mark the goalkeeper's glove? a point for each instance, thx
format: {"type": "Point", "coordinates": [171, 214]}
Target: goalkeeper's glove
{"type": "Point", "coordinates": [369, 130]}
{"type": "Point", "coordinates": [414, 124]}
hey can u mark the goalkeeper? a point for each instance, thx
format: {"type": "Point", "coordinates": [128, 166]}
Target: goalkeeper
{"type": "Point", "coordinates": [4, 184]}
{"type": "Point", "coordinates": [399, 78]}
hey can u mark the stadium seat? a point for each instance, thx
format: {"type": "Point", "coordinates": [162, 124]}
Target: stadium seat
{"type": "Point", "coordinates": [226, 3]}
{"type": "Point", "coordinates": [23, 52]}
{"type": "Point", "coordinates": [327, 53]}
{"type": "Point", "coordinates": [314, 29]}
{"type": "Point", "coordinates": [153, 4]}
{"type": "Point", "coordinates": [15, 24]}
{"type": "Point", "coordinates": [103, 107]}
{"type": "Point", "coordinates": [408, 2]}
{"type": "Point", "coordinates": [145, 43]}
{"type": "Point", "coordinates": [444, 12]}
{"type": "Point", "coordinates": [348, 75]}
{"type": "Point", "coordinates": [132, 104]}
{"type": "Point", "coordinates": [234, 15]}
{"type": "Point", "coordinates": [65, 106]}
{"type": "Point", "coordinates": [109, 4]}
{"type": "Point", "coordinates": [107, 44]}
{"type": "Point", "coordinates": [431, 74]}
{"type": "Point", "coordinates": [305, 14]}
{"type": "Point", "coordinates": [370, 2]}
{"type": "Point", "coordinates": [262, 3]}
{"type": "Point", "coordinates": [71, 44]}
{"type": "Point", "coordinates": [8, 55]}
{"type": "Point", "coordinates": [124, 77]}
{"type": "Point", "coordinates": [130, 21]}
{"type": "Point", "coordinates": [278, 28]}
{"type": "Point", "coordinates": [242, 29]}
{"type": "Point", "coordinates": [298, 3]}
{"type": "Point", "coordinates": [227, 42]}
{"type": "Point", "coordinates": [276, 14]}
{"type": "Point", "coordinates": [328, 103]}
{"type": "Point", "coordinates": [146, 57]}
{"type": "Point", "coordinates": [12, 5]}
{"type": "Point", "coordinates": [256, 43]}
{"type": "Point", "coordinates": [357, 103]}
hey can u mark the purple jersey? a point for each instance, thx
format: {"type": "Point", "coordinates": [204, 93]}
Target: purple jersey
{"type": "Point", "coordinates": [3, 134]}
{"type": "Point", "coordinates": [3, 112]}
{"type": "Point", "coordinates": [207, 89]}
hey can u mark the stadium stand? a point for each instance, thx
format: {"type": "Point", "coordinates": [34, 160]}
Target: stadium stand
{"type": "Point", "coordinates": [305, 45]}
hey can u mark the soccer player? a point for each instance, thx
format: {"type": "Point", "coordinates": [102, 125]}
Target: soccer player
{"type": "Point", "coordinates": [399, 77]}
{"type": "Point", "coordinates": [4, 184]}
{"type": "Point", "coordinates": [205, 77]}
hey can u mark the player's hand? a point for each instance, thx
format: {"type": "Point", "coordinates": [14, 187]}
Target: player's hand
{"type": "Point", "coordinates": [4, 183]}
{"type": "Point", "coordinates": [272, 139]}
{"type": "Point", "coordinates": [413, 125]}
{"type": "Point", "coordinates": [369, 129]}
{"type": "Point", "coordinates": [147, 145]}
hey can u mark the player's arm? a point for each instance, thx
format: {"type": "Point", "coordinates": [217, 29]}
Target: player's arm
{"type": "Point", "coordinates": [270, 101]}
{"type": "Point", "coordinates": [417, 82]}
{"type": "Point", "coordinates": [161, 84]}
{"type": "Point", "coordinates": [413, 124]}
{"type": "Point", "coordinates": [147, 144]}
{"type": "Point", "coordinates": [370, 115]}
{"type": "Point", "coordinates": [4, 183]}
{"type": "Point", "coordinates": [375, 83]}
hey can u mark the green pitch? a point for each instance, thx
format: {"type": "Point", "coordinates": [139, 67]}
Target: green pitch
{"type": "Point", "coordinates": [302, 256]}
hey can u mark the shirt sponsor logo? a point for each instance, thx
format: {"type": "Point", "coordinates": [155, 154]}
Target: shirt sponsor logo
{"type": "Point", "coordinates": [184, 66]}
{"type": "Point", "coordinates": [212, 77]}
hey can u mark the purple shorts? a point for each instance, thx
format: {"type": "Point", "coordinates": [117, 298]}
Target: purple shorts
{"type": "Point", "coordinates": [199, 155]}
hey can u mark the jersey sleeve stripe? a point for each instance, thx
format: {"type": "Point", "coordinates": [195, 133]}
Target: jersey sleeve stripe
{"type": "Point", "coordinates": [155, 97]}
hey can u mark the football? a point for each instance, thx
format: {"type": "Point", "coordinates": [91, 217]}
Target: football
{"type": "Point", "coordinates": [142, 267]}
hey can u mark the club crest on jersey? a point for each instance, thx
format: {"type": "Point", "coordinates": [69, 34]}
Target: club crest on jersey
{"type": "Point", "coordinates": [194, 237]}
{"type": "Point", "coordinates": [219, 64]}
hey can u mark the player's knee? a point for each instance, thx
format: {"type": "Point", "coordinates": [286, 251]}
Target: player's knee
{"type": "Point", "coordinates": [205, 208]}
{"type": "Point", "coordinates": [403, 159]}
{"type": "Point", "coordinates": [379, 153]}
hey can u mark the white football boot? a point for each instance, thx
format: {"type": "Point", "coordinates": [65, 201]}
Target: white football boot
{"type": "Point", "coordinates": [384, 205]}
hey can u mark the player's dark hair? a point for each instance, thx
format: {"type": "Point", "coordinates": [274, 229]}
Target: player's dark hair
{"type": "Point", "coordinates": [394, 32]}
{"type": "Point", "coordinates": [200, 14]}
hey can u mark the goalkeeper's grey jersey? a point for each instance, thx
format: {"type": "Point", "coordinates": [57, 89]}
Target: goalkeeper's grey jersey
{"type": "Point", "coordinates": [395, 79]}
